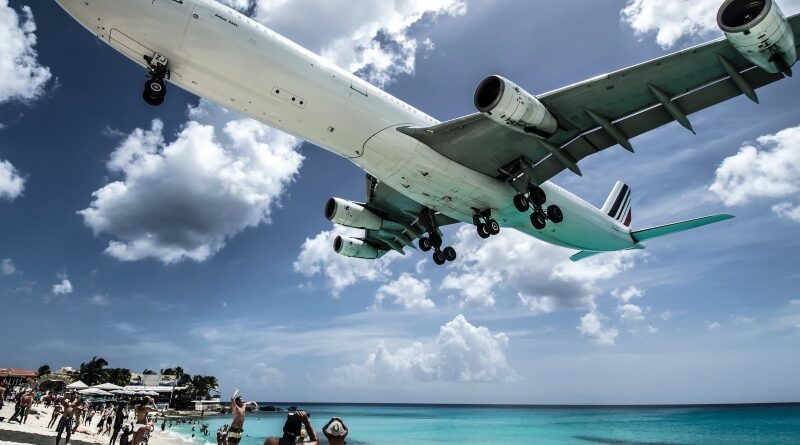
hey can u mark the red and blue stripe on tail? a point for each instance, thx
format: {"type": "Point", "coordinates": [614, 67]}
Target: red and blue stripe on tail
{"type": "Point", "coordinates": [618, 204]}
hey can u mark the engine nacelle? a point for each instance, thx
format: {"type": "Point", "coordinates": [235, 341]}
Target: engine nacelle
{"type": "Point", "coordinates": [354, 248]}
{"type": "Point", "coordinates": [760, 32]}
{"type": "Point", "coordinates": [506, 103]}
{"type": "Point", "coordinates": [351, 214]}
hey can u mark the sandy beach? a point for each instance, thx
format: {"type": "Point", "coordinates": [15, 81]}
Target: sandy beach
{"type": "Point", "coordinates": [36, 431]}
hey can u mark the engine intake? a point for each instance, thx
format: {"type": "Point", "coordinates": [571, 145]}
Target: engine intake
{"type": "Point", "coordinates": [351, 214]}
{"type": "Point", "coordinates": [760, 32]}
{"type": "Point", "coordinates": [354, 248]}
{"type": "Point", "coordinates": [506, 103]}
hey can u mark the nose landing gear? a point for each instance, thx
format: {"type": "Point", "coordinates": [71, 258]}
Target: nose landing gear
{"type": "Point", "coordinates": [155, 90]}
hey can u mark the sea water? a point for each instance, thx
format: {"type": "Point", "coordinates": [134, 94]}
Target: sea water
{"type": "Point", "coordinates": [429, 425]}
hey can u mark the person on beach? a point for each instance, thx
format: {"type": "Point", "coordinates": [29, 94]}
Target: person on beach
{"type": "Point", "coordinates": [296, 428]}
{"type": "Point", "coordinates": [335, 431]}
{"type": "Point", "coordinates": [80, 412]}
{"type": "Point", "coordinates": [119, 419]}
{"type": "Point", "coordinates": [69, 405]}
{"type": "Point", "coordinates": [142, 426]}
{"type": "Point", "coordinates": [2, 394]}
{"type": "Point", "coordinates": [56, 412]}
{"type": "Point", "coordinates": [238, 408]}
{"type": "Point", "coordinates": [89, 416]}
{"type": "Point", "coordinates": [24, 400]}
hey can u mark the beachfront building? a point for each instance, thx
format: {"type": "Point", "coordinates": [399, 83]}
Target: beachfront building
{"type": "Point", "coordinates": [13, 376]}
{"type": "Point", "coordinates": [205, 406]}
{"type": "Point", "coordinates": [166, 395]}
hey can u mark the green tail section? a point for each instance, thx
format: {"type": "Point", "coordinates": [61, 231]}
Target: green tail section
{"type": "Point", "coordinates": [668, 229]}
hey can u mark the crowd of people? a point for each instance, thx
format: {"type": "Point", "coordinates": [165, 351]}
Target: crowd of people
{"type": "Point", "coordinates": [130, 421]}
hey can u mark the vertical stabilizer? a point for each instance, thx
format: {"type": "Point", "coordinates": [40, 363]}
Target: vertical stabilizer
{"type": "Point", "coordinates": [618, 204]}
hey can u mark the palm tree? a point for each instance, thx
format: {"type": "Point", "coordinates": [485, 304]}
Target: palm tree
{"type": "Point", "coordinates": [148, 372]}
{"type": "Point", "coordinates": [93, 373]}
{"type": "Point", "coordinates": [119, 376]}
{"type": "Point", "coordinates": [43, 371]}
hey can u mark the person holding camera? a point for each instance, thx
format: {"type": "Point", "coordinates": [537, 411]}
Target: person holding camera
{"type": "Point", "coordinates": [296, 429]}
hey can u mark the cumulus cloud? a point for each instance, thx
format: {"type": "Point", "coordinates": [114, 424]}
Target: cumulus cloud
{"type": "Point", "coordinates": [62, 288]}
{"type": "Point", "coordinates": [7, 267]}
{"type": "Point", "coordinates": [185, 198]}
{"type": "Point", "coordinates": [406, 291]}
{"type": "Point", "coordinates": [592, 327]}
{"type": "Point", "coordinates": [263, 376]}
{"type": "Point", "coordinates": [11, 183]}
{"type": "Point", "coordinates": [770, 169]}
{"type": "Point", "coordinates": [21, 75]}
{"type": "Point", "coordinates": [673, 20]}
{"type": "Point", "coordinates": [375, 39]}
{"type": "Point", "coordinates": [241, 5]}
{"type": "Point", "coordinates": [461, 353]}
{"type": "Point", "coordinates": [628, 311]}
{"type": "Point", "coordinates": [714, 326]}
{"type": "Point", "coordinates": [541, 274]}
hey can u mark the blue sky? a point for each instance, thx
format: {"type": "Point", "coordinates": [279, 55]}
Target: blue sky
{"type": "Point", "coordinates": [119, 238]}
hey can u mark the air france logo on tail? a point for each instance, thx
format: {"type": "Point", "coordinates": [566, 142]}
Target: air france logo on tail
{"type": "Point", "coordinates": [618, 204]}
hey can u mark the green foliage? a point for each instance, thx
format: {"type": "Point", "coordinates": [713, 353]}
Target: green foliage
{"type": "Point", "coordinates": [43, 371]}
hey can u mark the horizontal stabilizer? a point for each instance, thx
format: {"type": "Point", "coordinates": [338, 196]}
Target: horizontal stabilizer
{"type": "Point", "coordinates": [583, 254]}
{"type": "Point", "coordinates": [668, 229]}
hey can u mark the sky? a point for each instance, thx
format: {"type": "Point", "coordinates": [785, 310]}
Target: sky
{"type": "Point", "coordinates": [190, 235]}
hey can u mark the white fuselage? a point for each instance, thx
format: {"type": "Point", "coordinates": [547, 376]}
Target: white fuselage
{"type": "Point", "coordinates": [226, 57]}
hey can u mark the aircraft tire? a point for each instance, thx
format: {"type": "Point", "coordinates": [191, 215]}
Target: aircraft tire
{"type": "Point", "coordinates": [538, 221]}
{"type": "Point", "coordinates": [425, 244]}
{"type": "Point", "coordinates": [493, 227]}
{"type": "Point", "coordinates": [483, 231]}
{"type": "Point", "coordinates": [450, 254]}
{"type": "Point", "coordinates": [554, 214]}
{"type": "Point", "coordinates": [438, 258]}
{"type": "Point", "coordinates": [521, 203]}
{"type": "Point", "coordinates": [155, 88]}
{"type": "Point", "coordinates": [537, 196]}
{"type": "Point", "coordinates": [436, 240]}
{"type": "Point", "coordinates": [150, 100]}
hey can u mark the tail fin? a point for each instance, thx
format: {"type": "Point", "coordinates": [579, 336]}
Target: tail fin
{"type": "Point", "coordinates": [668, 229]}
{"type": "Point", "coordinates": [618, 204]}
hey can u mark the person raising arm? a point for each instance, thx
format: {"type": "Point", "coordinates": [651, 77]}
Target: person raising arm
{"type": "Point", "coordinates": [335, 431]}
{"type": "Point", "coordinates": [238, 408]}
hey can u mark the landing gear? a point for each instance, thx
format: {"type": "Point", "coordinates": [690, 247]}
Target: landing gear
{"type": "Point", "coordinates": [434, 241]}
{"type": "Point", "coordinates": [155, 90]}
{"type": "Point", "coordinates": [521, 203]}
{"type": "Point", "coordinates": [554, 214]}
{"type": "Point", "coordinates": [536, 200]}
{"type": "Point", "coordinates": [538, 221]}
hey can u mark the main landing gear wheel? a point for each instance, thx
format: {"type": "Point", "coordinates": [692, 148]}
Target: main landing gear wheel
{"type": "Point", "coordinates": [154, 92]}
{"type": "Point", "coordinates": [493, 227]}
{"type": "Point", "coordinates": [483, 231]}
{"type": "Point", "coordinates": [425, 244]}
{"type": "Point", "coordinates": [521, 203]}
{"type": "Point", "coordinates": [554, 214]}
{"type": "Point", "coordinates": [436, 240]}
{"type": "Point", "coordinates": [538, 221]}
{"type": "Point", "coordinates": [537, 196]}
{"type": "Point", "coordinates": [438, 258]}
{"type": "Point", "coordinates": [449, 254]}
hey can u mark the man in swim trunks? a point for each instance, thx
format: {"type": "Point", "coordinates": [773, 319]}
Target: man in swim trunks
{"type": "Point", "coordinates": [238, 408]}
{"type": "Point", "coordinates": [23, 406]}
{"type": "Point", "coordinates": [68, 404]}
{"type": "Point", "coordinates": [56, 411]}
{"type": "Point", "coordinates": [141, 426]}
{"type": "Point", "coordinates": [335, 431]}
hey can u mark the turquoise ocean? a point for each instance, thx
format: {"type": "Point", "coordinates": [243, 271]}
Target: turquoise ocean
{"type": "Point", "coordinates": [467, 425]}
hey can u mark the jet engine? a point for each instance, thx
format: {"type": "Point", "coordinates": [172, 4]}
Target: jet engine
{"type": "Point", "coordinates": [760, 32]}
{"type": "Point", "coordinates": [354, 248]}
{"type": "Point", "coordinates": [506, 103]}
{"type": "Point", "coordinates": [351, 214]}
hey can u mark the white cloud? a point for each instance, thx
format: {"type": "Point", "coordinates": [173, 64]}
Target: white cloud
{"type": "Point", "coordinates": [7, 267]}
{"type": "Point", "coordinates": [539, 305]}
{"type": "Point", "coordinates": [21, 75]}
{"type": "Point", "coordinates": [63, 288]}
{"type": "Point", "coordinates": [541, 272]}
{"type": "Point", "coordinates": [99, 300]}
{"type": "Point", "coordinates": [11, 183]}
{"type": "Point", "coordinates": [125, 327]}
{"type": "Point", "coordinates": [374, 39]}
{"type": "Point", "coordinates": [264, 376]}
{"type": "Point", "coordinates": [743, 320]}
{"type": "Point", "coordinates": [788, 211]}
{"type": "Point", "coordinates": [794, 302]}
{"type": "Point", "coordinates": [652, 330]}
{"type": "Point", "coordinates": [626, 295]}
{"type": "Point", "coordinates": [592, 327]}
{"type": "Point", "coordinates": [461, 353]}
{"type": "Point", "coordinates": [714, 325]}
{"type": "Point", "coordinates": [628, 311]}
{"type": "Point", "coordinates": [317, 257]}
{"type": "Point", "coordinates": [184, 199]}
{"type": "Point", "coordinates": [406, 291]}
{"type": "Point", "coordinates": [672, 20]}
{"type": "Point", "coordinates": [241, 5]}
{"type": "Point", "coordinates": [769, 170]}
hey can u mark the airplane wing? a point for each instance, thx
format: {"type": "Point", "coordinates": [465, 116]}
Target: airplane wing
{"type": "Point", "coordinates": [692, 80]}
{"type": "Point", "coordinates": [401, 215]}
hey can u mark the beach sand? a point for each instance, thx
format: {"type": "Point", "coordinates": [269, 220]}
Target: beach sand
{"type": "Point", "coordinates": [36, 431]}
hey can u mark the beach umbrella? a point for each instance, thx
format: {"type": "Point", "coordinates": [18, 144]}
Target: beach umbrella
{"type": "Point", "coordinates": [77, 385]}
{"type": "Point", "coordinates": [94, 392]}
{"type": "Point", "coordinates": [118, 391]}
{"type": "Point", "coordinates": [152, 393]}
{"type": "Point", "coordinates": [107, 387]}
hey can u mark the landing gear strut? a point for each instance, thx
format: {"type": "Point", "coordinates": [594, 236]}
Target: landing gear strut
{"type": "Point", "coordinates": [155, 90]}
{"type": "Point", "coordinates": [535, 200]}
{"type": "Point", "coordinates": [486, 226]}
{"type": "Point", "coordinates": [434, 240]}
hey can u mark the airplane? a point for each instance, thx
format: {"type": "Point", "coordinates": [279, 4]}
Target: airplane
{"type": "Point", "coordinates": [492, 168]}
